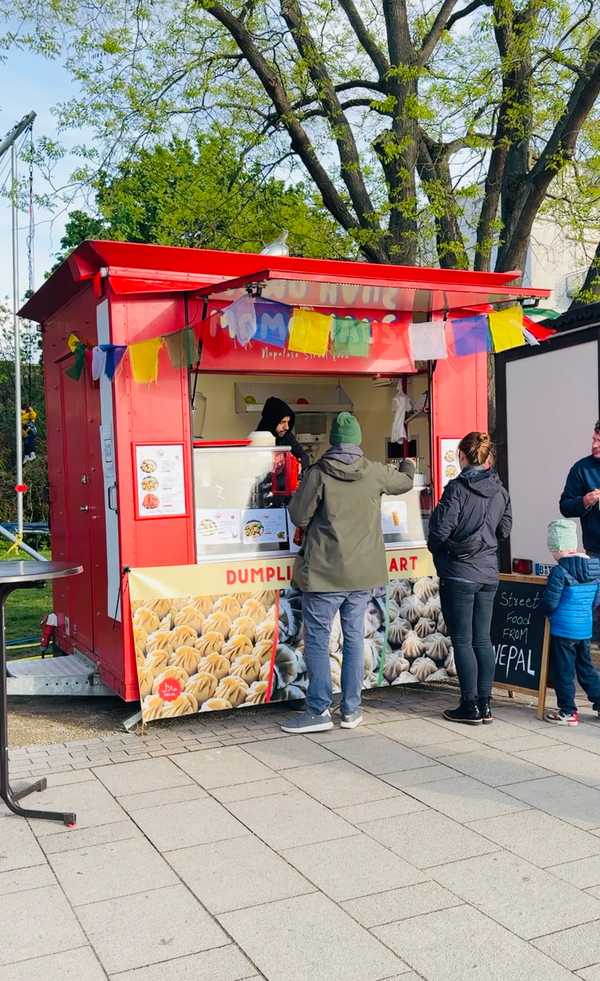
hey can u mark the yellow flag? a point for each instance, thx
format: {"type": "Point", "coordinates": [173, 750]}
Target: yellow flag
{"type": "Point", "coordinates": [506, 328]}
{"type": "Point", "coordinates": [72, 342]}
{"type": "Point", "coordinates": [309, 332]}
{"type": "Point", "coordinates": [143, 358]}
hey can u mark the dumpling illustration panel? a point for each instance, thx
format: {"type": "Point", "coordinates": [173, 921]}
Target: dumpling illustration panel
{"type": "Point", "coordinates": [210, 652]}
{"type": "Point", "coordinates": [405, 640]}
{"type": "Point", "coordinates": [204, 653]}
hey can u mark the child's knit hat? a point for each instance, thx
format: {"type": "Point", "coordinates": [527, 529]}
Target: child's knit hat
{"type": "Point", "coordinates": [562, 535]}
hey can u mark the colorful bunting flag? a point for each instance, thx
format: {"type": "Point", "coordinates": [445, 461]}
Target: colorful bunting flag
{"type": "Point", "coordinates": [428, 341]}
{"type": "Point", "coordinates": [182, 348]}
{"type": "Point", "coordinates": [143, 358]}
{"type": "Point", "coordinates": [540, 332]}
{"type": "Point", "coordinates": [75, 370]}
{"type": "Point", "coordinates": [239, 320]}
{"type": "Point", "coordinates": [309, 332]}
{"type": "Point", "coordinates": [351, 337]}
{"type": "Point", "coordinates": [73, 343]}
{"type": "Point", "coordinates": [506, 328]}
{"type": "Point", "coordinates": [114, 355]}
{"type": "Point", "coordinates": [98, 363]}
{"type": "Point", "coordinates": [391, 346]}
{"type": "Point", "coordinates": [471, 335]}
{"type": "Point", "coordinates": [272, 323]}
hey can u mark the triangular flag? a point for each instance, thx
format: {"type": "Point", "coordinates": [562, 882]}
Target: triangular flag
{"type": "Point", "coordinates": [428, 341]}
{"type": "Point", "coordinates": [506, 328]}
{"type": "Point", "coordinates": [114, 356]}
{"type": "Point", "coordinates": [143, 358]}
{"type": "Point", "coordinates": [98, 363]}
{"type": "Point", "coordinates": [76, 369]}
{"type": "Point", "coordinates": [73, 342]}
{"type": "Point", "coordinates": [182, 348]}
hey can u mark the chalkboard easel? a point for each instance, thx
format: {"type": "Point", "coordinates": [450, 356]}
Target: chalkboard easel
{"type": "Point", "coordinates": [521, 637]}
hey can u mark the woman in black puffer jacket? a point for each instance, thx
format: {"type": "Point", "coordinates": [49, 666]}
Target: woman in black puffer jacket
{"type": "Point", "coordinates": [465, 528]}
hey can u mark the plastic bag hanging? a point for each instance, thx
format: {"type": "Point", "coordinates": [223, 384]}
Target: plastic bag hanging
{"type": "Point", "coordinates": [401, 404]}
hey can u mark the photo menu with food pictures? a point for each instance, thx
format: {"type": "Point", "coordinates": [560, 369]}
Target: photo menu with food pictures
{"type": "Point", "coordinates": [160, 480]}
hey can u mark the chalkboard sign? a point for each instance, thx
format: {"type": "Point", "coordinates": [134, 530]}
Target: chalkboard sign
{"type": "Point", "coordinates": [520, 636]}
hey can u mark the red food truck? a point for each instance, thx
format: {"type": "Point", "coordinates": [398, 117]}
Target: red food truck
{"type": "Point", "coordinates": [178, 517]}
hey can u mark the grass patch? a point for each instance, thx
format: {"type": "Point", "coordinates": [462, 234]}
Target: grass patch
{"type": "Point", "coordinates": [25, 607]}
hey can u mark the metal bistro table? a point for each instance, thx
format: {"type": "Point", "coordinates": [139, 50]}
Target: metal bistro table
{"type": "Point", "coordinates": [23, 575]}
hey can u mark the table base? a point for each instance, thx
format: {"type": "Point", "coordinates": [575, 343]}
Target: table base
{"type": "Point", "coordinates": [9, 796]}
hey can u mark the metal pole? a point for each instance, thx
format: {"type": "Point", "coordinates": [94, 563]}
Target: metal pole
{"type": "Point", "coordinates": [17, 337]}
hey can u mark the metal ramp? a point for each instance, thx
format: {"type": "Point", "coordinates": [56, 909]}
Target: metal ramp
{"type": "Point", "coordinates": [71, 674]}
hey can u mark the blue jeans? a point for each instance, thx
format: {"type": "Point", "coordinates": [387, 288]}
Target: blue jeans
{"type": "Point", "coordinates": [467, 609]}
{"type": "Point", "coordinates": [318, 611]}
{"type": "Point", "coordinates": [570, 658]}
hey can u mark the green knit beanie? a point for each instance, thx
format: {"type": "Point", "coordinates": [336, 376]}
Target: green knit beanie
{"type": "Point", "coordinates": [562, 535]}
{"type": "Point", "coordinates": [345, 429]}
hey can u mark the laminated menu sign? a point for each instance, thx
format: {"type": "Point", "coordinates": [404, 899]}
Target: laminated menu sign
{"type": "Point", "coordinates": [159, 480]}
{"type": "Point", "coordinates": [394, 517]}
{"type": "Point", "coordinates": [449, 462]}
{"type": "Point", "coordinates": [218, 526]}
{"type": "Point", "coordinates": [264, 526]}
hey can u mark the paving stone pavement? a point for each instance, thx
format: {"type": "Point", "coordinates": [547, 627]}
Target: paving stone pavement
{"type": "Point", "coordinates": [221, 849]}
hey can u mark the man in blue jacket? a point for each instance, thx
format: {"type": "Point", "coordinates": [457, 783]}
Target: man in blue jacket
{"type": "Point", "coordinates": [581, 496]}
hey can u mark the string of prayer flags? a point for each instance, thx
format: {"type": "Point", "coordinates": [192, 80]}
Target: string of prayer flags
{"type": "Point", "coordinates": [309, 333]}
{"type": "Point", "coordinates": [239, 320]}
{"type": "Point", "coordinates": [428, 341]}
{"type": "Point", "coordinates": [143, 358]}
{"type": "Point", "coordinates": [75, 370]}
{"type": "Point", "coordinates": [351, 337]}
{"type": "Point", "coordinates": [272, 323]}
{"type": "Point", "coordinates": [471, 335]}
{"type": "Point", "coordinates": [506, 328]}
{"type": "Point", "coordinates": [114, 355]}
{"type": "Point", "coordinates": [182, 348]}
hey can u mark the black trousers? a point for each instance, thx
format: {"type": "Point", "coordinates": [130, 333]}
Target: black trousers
{"type": "Point", "coordinates": [467, 609]}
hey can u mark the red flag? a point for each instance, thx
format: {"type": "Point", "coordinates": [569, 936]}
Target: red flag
{"type": "Point", "coordinates": [539, 332]}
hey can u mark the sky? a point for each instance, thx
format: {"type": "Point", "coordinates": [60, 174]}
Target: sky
{"type": "Point", "coordinates": [30, 82]}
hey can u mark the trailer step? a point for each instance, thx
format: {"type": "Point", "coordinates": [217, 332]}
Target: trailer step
{"type": "Point", "coordinates": [72, 674]}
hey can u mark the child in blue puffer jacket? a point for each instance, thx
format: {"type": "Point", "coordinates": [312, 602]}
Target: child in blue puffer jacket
{"type": "Point", "coordinates": [569, 598]}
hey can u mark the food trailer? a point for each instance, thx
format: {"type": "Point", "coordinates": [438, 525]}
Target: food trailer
{"type": "Point", "coordinates": [158, 361]}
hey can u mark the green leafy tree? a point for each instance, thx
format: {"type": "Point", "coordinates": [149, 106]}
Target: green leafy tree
{"type": "Point", "coordinates": [412, 121]}
{"type": "Point", "coordinates": [199, 193]}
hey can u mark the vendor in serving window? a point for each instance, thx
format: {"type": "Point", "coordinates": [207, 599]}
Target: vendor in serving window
{"type": "Point", "coordinates": [277, 418]}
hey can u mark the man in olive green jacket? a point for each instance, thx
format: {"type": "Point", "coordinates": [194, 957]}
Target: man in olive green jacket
{"type": "Point", "coordinates": [338, 506]}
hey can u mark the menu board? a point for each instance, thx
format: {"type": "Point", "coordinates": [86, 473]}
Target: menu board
{"type": "Point", "coordinates": [449, 465]}
{"type": "Point", "coordinates": [264, 526]}
{"type": "Point", "coordinates": [159, 480]}
{"type": "Point", "coordinates": [218, 526]}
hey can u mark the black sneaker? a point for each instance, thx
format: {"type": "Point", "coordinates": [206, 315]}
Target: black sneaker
{"type": "Point", "coordinates": [485, 711]}
{"type": "Point", "coordinates": [467, 713]}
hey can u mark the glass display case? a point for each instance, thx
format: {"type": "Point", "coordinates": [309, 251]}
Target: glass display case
{"type": "Point", "coordinates": [241, 493]}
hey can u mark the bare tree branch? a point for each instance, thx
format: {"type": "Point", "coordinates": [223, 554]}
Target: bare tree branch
{"type": "Point", "coordinates": [439, 25]}
{"type": "Point", "coordinates": [469, 9]}
{"type": "Point", "coordinates": [365, 38]}
{"type": "Point", "coordinates": [342, 131]}
{"type": "Point", "coordinates": [299, 138]}
{"type": "Point", "coordinates": [558, 150]}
